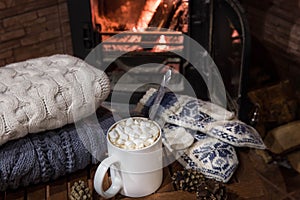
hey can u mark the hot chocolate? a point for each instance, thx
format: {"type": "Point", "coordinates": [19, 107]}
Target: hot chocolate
{"type": "Point", "coordinates": [134, 133]}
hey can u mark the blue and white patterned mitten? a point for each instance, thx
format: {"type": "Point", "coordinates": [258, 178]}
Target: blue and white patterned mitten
{"type": "Point", "coordinates": [195, 114]}
{"type": "Point", "coordinates": [236, 133]}
{"type": "Point", "coordinates": [212, 157]}
{"type": "Point", "coordinates": [206, 117]}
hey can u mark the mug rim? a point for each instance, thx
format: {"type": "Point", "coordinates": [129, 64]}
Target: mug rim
{"type": "Point", "coordinates": [133, 150]}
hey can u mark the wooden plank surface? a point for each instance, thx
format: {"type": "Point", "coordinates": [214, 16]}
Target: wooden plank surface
{"type": "Point", "coordinates": [178, 195]}
{"type": "Point", "coordinates": [254, 179]}
{"type": "Point", "coordinates": [57, 189]}
{"type": "Point", "coordinates": [36, 192]}
{"type": "Point", "coordinates": [2, 195]}
{"type": "Point", "coordinates": [15, 194]}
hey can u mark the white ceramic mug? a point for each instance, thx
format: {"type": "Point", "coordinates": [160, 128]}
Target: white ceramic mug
{"type": "Point", "coordinates": [134, 173]}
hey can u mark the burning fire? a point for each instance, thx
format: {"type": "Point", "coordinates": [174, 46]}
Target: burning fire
{"type": "Point", "coordinates": [107, 23]}
{"type": "Point", "coordinates": [235, 37]}
{"type": "Point", "coordinates": [161, 46]}
{"type": "Point", "coordinates": [147, 14]}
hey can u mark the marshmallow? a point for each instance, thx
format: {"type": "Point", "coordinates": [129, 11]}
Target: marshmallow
{"type": "Point", "coordinates": [129, 122]}
{"type": "Point", "coordinates": [128, 130]}
{"type": "Point", "coordinates": [144, 136]}
{"type": "Point", "coordinates": [129, 145]}
{"type": "Point", "coordinates": [134, 133]}
{"type": "Point", "coordinates": [113, 134]}
{"type": "Point", "coordinates": [146, 129]}
{"type": "Point", "coordinates": [149, 141]}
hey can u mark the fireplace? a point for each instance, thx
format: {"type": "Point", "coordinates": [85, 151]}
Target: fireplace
{"type": "Point", "coordinates": [218, 25]}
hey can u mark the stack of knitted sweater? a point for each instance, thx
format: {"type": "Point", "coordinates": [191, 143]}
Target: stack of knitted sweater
{"type": "Point", "coordinates": [51, 122]}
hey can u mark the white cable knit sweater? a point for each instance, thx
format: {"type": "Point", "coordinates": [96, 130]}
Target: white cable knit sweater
{"type": "Point", "coordinates": [46, 93]}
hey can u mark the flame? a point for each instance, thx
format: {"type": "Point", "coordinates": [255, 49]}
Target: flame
{"type": "Point", "coordinates": [147, 14]}
{"type": "Point", "coordinates": [162, 39]}
{"type": "Point", "coordinates": [235, 35]}
{"type": "Point", "coordinates": [161, 47]}
{"type": "Point", "coordinates": [93, 9]}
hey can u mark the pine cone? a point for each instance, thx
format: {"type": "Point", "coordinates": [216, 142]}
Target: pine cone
{"type": "Point", "coordinates": [80, 191]}
{"type": "Point", "coordinates": [211, 190]}
{"type": "Point", "coordinates": [188, 180]}
{"type": "Point", "coordinates": [194, 181]}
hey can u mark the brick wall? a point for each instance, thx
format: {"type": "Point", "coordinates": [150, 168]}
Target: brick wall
{"type": "Point", "coordinates": [30, 28]}
{"type": "Point", "coordinates": [276, 25]}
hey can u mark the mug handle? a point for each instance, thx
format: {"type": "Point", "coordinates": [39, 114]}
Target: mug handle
{"type": "Point", "coordinates": [99, 176]}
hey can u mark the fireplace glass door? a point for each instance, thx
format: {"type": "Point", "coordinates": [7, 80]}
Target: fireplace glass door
{"type": "Point", "coordinates": [134, 33]}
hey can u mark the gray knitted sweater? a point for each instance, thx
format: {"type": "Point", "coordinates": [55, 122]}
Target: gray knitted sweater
{"type": "Point", "coordinates": [48, 155]}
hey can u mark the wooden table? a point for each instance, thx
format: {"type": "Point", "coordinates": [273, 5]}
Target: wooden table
{"type": "Point", "coordinates": [253, 180]}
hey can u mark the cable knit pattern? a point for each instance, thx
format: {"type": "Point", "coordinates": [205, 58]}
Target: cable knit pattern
{"type": "Point", "coordinates": [46, 93]}
{"type": "Point", "coordinates": [48, 155]}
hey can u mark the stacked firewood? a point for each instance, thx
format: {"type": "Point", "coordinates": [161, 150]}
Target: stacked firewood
{"type": "Point", "coordinates": [278, 123]}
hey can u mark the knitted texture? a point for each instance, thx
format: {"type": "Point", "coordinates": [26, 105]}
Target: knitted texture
{"type": "Point", "coordinates": [42, 157]}
{"type": "Point", "coordinates": [46, 93]}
